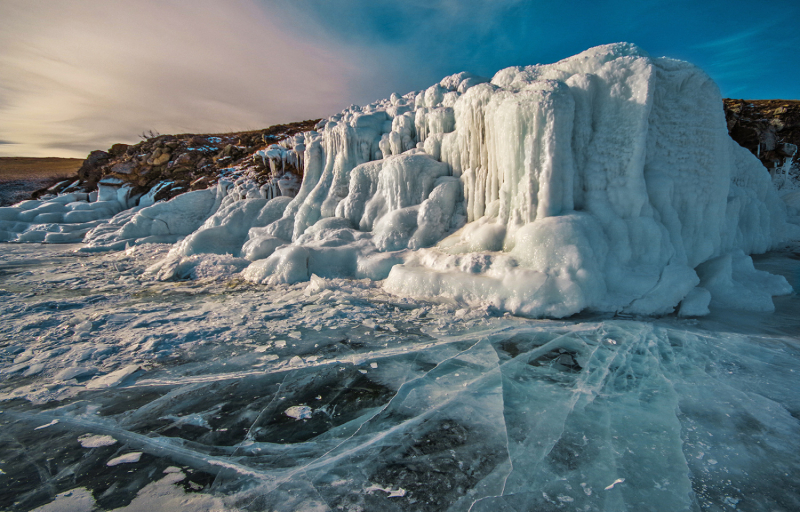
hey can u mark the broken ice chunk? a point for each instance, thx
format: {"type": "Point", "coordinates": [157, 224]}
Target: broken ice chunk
{"type": "Point", "coordinates": [298, 412]}
{"type": "Point", "coordinates": [46, 425]}
{"type": "Point", "coordinates": [114, 378]}
{"type": "Point", "coordinates": [399, 493]}
{"type": "Point", "coordinates": [96, 441]}
{"type": "Point", "coordinates": [34, 369]}
{"type": "Point", "coordinates": [128, 458]}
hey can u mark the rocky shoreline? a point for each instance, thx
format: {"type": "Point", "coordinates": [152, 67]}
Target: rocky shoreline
{"type": "Point", "coordinates": [179, 163]}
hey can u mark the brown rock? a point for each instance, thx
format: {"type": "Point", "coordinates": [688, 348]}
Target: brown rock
{"type": "Point", "coordinates": [183, 160]}
{"type": "Point", "coordinates": [161, 159]}
{"type": "Point", "coordinates": [767, 128]}
{"type": "Point", "coordinates": [124, 167]}
{"type": "Point", "coordinates": [91, 169]}
{"type": "Point", "coordinates": [118, 149]}
{"type": "Point", "coordinates": [200, 183]}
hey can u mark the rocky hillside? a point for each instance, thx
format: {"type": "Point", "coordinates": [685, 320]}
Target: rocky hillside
{"type": "Point", "coordinates": [182, 162]}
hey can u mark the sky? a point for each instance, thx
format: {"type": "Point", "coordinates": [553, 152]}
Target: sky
{"type": "Point", "coordinates": [82, 75]}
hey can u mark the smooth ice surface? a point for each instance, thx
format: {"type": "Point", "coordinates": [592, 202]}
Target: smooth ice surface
{"type": "Point", "coordinates": [333, 394]}
{"type": "Point", "coordinates": [605, 182]}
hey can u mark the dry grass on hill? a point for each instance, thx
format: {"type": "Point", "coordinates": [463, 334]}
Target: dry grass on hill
{"type": "Point", "coordinates": [19, 168]}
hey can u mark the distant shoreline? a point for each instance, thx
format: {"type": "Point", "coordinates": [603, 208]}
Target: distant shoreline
{"type": "Point", "coordinates": [21, 176]}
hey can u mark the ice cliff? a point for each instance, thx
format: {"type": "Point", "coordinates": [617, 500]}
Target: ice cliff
{"type": "Point", "coordinates": [606, 181]}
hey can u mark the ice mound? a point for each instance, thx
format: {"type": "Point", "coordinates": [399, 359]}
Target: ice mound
{"type": "Point", "coordinates": [606, 181]}
{"type": "Point", "coordinates": [603, 181]}
{"type": "Point", "coordinates": [64, 218]}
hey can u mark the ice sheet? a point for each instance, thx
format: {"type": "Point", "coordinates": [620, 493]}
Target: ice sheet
{"type": "Point", "coordinates": [335, 395]}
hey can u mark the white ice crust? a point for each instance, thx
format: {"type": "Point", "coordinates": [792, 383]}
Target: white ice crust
{"type": "Point", "coordinates": [606, 181]}
{"type": "Point", "coordinates": [62, 219]}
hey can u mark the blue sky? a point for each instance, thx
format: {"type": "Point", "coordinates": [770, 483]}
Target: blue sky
{"type": "Point", "coordinates": [84, 74]}
{"type": "Point", "coordinates": [750, 48]}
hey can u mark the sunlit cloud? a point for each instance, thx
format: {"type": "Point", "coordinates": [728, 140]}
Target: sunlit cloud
{"type": "Point", "coordinates": [81, 75]}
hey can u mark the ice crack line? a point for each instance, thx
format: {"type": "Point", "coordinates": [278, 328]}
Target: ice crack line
{"type": "Point", "coordinates": [158, 446]}
{"type": "Point", "coordinates": [320, 461]}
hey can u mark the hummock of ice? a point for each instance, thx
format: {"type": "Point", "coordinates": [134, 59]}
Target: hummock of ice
{"type": "Point", "coordinates": [606, 181]}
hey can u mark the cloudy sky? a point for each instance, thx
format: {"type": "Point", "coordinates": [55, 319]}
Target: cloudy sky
{"type": "Point", "coordinates": [84, 74]}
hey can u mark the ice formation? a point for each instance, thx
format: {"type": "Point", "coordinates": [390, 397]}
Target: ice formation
{"type": "Point", "coordinates": [606, 181]}
{"type": "Point", "coordinates": [65, 218]}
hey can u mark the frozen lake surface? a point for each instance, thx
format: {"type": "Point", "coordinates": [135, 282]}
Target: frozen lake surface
{"type": "Point", "coordinates": [122, 391]}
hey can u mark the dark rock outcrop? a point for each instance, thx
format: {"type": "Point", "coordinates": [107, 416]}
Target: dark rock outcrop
{"type": "Point", "coordinates": [770, 129]}
{"type": "Point", "coordinates": [92, 169]}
